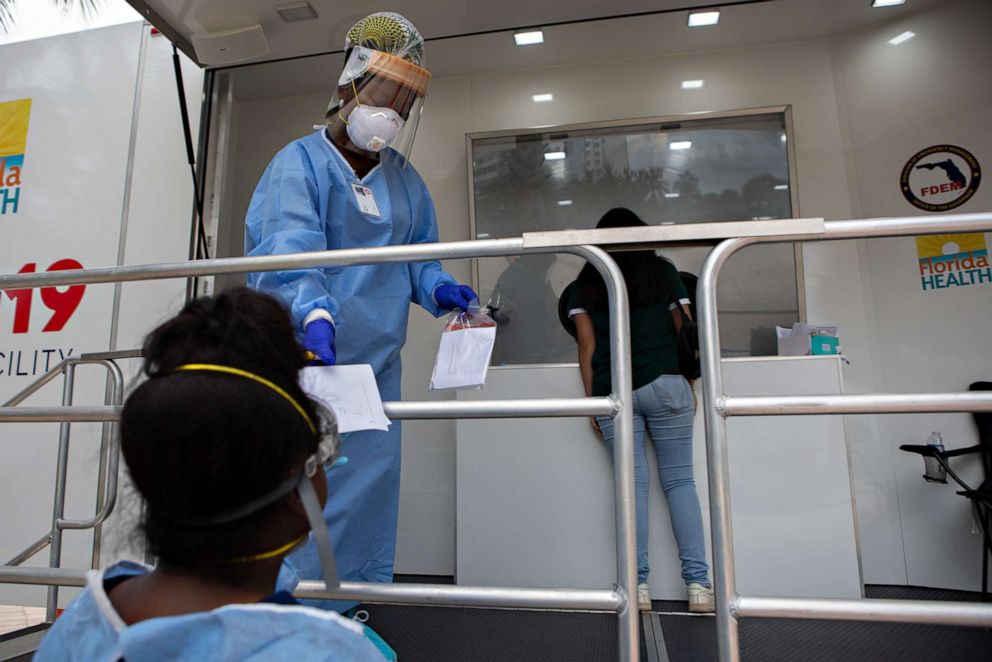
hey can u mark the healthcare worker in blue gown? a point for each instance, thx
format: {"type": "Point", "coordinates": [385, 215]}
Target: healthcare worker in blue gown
{"type": "Point", "coordinates": [349, 185]}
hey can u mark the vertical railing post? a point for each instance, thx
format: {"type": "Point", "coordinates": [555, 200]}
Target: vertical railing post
{"type": "Point", "coordinates": [623, 453]}
{"type": "Point", "coordinates": [109, 456]}
{"type": "Point", "coordinates": [724, 583]}
{"type": "Point", "coordinates": [55, 552]}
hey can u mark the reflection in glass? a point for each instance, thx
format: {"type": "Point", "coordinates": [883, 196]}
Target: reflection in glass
{"type": "Point", "coordinates": [725, 169]}
{"type": "Point", "coordinates": [524, 305]}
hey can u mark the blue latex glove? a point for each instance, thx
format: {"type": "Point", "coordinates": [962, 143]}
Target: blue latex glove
{"type": "Point", "coordinates": [450, 296]}
{"type": "Point", "coordinates": [318, 338]}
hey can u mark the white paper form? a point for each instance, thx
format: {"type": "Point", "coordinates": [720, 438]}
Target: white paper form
{"type": "Point", "coordinates": [463, 358]}
{"type": "Point", "coordinates": [796, 341]}
{"type": "Point", "coordinates": [350, 392]}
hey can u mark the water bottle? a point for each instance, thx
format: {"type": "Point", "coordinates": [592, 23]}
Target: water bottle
{"type": "Point", "coordinates": [934, 470]}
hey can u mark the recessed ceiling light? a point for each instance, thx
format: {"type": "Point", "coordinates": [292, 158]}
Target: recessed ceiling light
{"type": "Point", "coordinates": [781, 187]}
{"type": "Point", "coordinates": [529, 37]}
{"type": "Point", "coordinates": [554, 156]}
{"type": "Point", "coordinates": [680, 144]}
{"type": "Point", "coordinates": [784, 138]}
{"type": "Point", "coordinates": [543, 98]}
{"type": "Point", "coordinates": [297, 11]}
{"type": "Point", "coordinates": [905, 36]}
{"type": "Point", "coordinates": [668, 222]}
{"type": "Point", "coordinates": [887, 3]}
{"type": "Point", "coordinates": [700, 18]}
{"type": "Point", "coordinates": [692, 84]}
{"type": "Point", "coordinates": [671, 195]}
{"type": "Point", "coordinates": [564, 203]}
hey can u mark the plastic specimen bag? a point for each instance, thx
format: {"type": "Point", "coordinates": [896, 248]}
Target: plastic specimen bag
{"type": "Point", "coordinates": [465, 350]}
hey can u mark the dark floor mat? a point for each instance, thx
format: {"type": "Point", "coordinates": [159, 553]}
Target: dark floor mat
{"type": "Point", "coordinates": [442, 634]}
{"type": "Point", "coordinates": [881, 592]}
{"type": "Point", "coordinates": [451, 634]}
{"type": "Point", "coordinates": [693, 639]}
{"type": "Point", "coordinates": [670, 606]}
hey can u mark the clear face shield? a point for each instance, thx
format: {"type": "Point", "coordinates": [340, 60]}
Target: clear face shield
{"type": "Point", "coordinates": [377, 104]}
{"type": "Point", "coordinates": [324, 459]}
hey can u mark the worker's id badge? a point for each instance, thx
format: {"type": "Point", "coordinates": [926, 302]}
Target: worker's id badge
{"type": "Point", "coordinates": [366, 200]}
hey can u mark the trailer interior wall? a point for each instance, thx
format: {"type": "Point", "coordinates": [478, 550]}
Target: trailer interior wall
{"type": "Point", "coordinates": [894, 101]}
{"type": "Point", "coordinates": [460, 104]}
{"type": "Point", "coordinates": [860, 106]}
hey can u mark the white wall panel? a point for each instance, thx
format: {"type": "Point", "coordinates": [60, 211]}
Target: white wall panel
{"type": "Point", "coordinates": [82, 88]}
{"type": "Point", "coordinates": [894, 101]}
{"type": "Point", "coordinates": [796, 74]}
{"type": "Point", "coordinates": [536, 506]}
{"type": "Point", "coordinates": [860, 108]}
{"type": "Point", "coordinates": [159, 222]}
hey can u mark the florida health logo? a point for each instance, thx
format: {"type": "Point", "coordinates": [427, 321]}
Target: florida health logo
{"type": "Point", "coordinates": [953, 260]}
{"type": "Point", "coordinates": [14, 116]}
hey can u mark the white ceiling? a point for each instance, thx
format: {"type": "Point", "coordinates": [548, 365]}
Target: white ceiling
{"type": "Point", "coordinates": [742, 22]}
{"type": "Point", "coordinates": [775, 21]}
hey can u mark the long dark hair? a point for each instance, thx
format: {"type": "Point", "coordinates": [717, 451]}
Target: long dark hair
{"type": "Point", "coordinates": [645, 273]}
{"type": "Point", "coordinates": [198, 444]}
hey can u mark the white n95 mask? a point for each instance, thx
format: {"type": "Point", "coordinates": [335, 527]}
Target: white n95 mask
{"type": "Point", "coordinates": [373, 128]}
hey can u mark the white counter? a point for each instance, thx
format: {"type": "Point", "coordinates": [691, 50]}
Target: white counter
{"type": "Point", "coordinates": [534, 498]}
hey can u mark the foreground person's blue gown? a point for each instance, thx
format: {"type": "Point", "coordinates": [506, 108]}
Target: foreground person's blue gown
{"type": "Point", "coordinates": [305, 202]}
{"type": "Point", "coordinates": [90, 630]}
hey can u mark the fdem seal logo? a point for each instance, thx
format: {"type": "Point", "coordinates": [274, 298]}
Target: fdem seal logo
{"type": "Point", "coordinates": [953, 260]}
{"type": "Point", "coordinates": [940, 178]}
{"type": "Point", "coordinates": [14, 116]}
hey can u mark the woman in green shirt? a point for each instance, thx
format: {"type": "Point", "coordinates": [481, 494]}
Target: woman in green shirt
{"type": "Point", "coordinates": [663, 403]}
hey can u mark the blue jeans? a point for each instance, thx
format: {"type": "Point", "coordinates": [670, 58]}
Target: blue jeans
{"type": "Point", "coordinates": [665, 408]}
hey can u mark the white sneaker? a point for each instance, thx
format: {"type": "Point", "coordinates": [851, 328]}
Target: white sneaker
{"type": "Point", "coordinates": [700, 599]}
{"type": "Point", "coordinates": [643, 597]}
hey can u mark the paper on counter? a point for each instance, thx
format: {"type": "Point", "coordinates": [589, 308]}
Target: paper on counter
{"type": "Point", "coordinates": [802, 329]}
{"type": "Point", "coordinates": [796, 341]}
{"type": "Point", "coordinates": [350, 392]}
{"type": "Point", "coordinates": [463, 358]}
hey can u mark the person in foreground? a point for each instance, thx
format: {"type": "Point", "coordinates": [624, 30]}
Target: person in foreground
{"type": "Point", "coordinates": [662, 400]}
{"type": "Point", "coordinates": [349, 184]}
{"type": "Point", "coordinates": [226, 451]}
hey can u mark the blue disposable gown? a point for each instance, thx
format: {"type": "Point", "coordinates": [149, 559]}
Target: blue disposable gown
{"type": "Point", "coordinates": [91, 630]}
{"type": "Point", "coordinates": [305, 202]}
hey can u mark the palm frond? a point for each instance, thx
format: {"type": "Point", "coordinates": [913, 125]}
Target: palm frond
{"type": "Point", "coordinates": [6, 17]}
{"type": "Point", "coordinates": [87, 8]}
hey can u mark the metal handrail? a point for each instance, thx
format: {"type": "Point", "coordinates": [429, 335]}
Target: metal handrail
{"type": "Point", "coordinates": [109, 462]}
{"type": "Point", "coordinates": [853, 403]}
{"type": "Point", "coordinates": [615, 598]}
{"type": "Point", "coordinates": [110, 450]}
{"type": "Point", "coordinates": [32, 549]}
{"type": "Point", "coordinates": [885, 611]}
{"type": "Point", "coordinates": [718, 405]}
{"type": "Point", "coordinates": [417, 594]}
{"type": "Point", "coordinates": [400, 410]}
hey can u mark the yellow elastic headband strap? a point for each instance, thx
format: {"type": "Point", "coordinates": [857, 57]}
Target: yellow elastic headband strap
{"type": "Point", "coordinates": [270, 554]}
{"type": "Point", "coordinates": [228, 370]}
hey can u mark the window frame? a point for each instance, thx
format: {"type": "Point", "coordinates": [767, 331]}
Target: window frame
{"type": "Point", "coordinates": [687, 118]}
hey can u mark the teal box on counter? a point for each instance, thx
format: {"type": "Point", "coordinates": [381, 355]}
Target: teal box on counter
{"type": "Point", "coordinates": [822, 345]}
{"type": "Point", "coordinates": [808, 339]}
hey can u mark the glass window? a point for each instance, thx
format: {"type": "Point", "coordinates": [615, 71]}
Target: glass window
{"type": "Point", "coordinates": [693, 170]}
